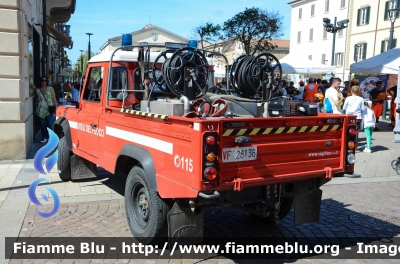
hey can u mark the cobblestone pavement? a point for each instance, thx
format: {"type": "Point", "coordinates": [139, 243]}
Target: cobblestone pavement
{"type": "Point", "coordinates": [347, 212]}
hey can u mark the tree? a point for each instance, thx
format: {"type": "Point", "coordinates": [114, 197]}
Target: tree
{"type": "Point", "coordinates": [82, 62]}
{"type": "Point", "coordinates": [207, 32]}
{"type": "Point", "coordinates": [255, 28]}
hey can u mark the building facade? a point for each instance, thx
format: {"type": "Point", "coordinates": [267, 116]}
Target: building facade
{"type": "Point", "coordinates": [151, 34]}
{"type": "Point", "coordinates": [308, 35]}
{"type": "Point", "coordinates": [370, 29]}
{"type": "Point", "coordinates": [367, 33]}
{"type": "Point", "coordinates": [232, 49]}
{"type": "Point", "coordinates": [27, 46]}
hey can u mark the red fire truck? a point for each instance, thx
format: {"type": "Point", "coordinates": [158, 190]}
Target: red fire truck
{"type": "Point", "coordinates": [145, 113]}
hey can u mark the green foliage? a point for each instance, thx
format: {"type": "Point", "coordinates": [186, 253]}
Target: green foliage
{"type": "Point", "coordinates": [207, 32]}
{"type": "Point", "coordinates": [255, 28]}
{"type": "Point", "coordinates": [81, 63]}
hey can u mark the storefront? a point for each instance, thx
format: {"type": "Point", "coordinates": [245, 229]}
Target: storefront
{"type": "Point", "coordinates": [23, 60]}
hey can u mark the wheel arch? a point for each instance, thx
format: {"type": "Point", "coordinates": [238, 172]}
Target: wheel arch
{"type": "Point", "coordinates": [132, 155]}
{"type": "Point", "coordinates": [62, 128]}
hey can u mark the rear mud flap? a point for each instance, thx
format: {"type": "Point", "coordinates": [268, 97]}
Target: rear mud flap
{"type": "Point", "coordinates": [185, 226]}
{"type": "Point", "coordinates": [307, 207]}
{"type": "Point", "coordinates": [82, 168]}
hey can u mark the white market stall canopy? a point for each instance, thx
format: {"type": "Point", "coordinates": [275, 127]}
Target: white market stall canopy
{"type": "Point", "coordinates": [218, 72]}
{"type": "Point", "coordinates": [384, 63]}
{"type": "Point", "coordinates": [297, 63]}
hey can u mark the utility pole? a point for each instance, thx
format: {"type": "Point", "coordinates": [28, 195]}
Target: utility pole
{"type": "Point", "coordinates": [81, 63]}
{"type": "Point", "coordinates": [89, 34]}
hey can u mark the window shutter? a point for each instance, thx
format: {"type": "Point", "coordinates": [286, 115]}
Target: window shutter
{"type": "Point", "coordinates": [368, 11]}
{"type": "Point", "coordinates": [355, 53]}
{"type": "Point", "coordinates": [358, 16]}
{"type": "Point", "coordinates": [394, 43]}
{"type": "Point", "coordinates": [386, 10]}
{"type": "Point", "coordinates": [364, 56]}
{"type": "Point", "coordinates": [383, 42]}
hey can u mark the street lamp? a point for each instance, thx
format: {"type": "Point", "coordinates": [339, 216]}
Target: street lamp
{"type": "Point", "coordinates": [89, 34]}
{"type": "Point", "coordinates": [81, 62]}
{"type": "Point", "coordinates": [356, 49]}
{"type": "Point", "coordinates": [392, 16]}
{"type": "Point", "coordinates": [333, 28]}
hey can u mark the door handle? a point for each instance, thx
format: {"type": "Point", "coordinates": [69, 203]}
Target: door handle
{"type": "Point", "coordinates": [93, 126]}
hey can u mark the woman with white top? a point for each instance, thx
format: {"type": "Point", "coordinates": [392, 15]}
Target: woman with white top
{"type": "Point", "coordinates": [354, 105]}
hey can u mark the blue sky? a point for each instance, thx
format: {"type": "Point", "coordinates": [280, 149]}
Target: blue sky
{"type": "Point", "coordinates": [107, 19]}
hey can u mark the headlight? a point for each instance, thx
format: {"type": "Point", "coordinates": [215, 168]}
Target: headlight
{"type": "Point", "coordinates": [351, 158]}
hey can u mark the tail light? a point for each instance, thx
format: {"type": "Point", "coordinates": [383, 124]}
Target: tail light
{"type": "Point", "coordinates": [210, 173]}
{"type": "Point", "coordinates": [210, 140]}
{"type": "Point", "coordinates": [350, 157]}
{"type": "Point", "coordinates": [352, 132]}
{"type": "Point", "coordinates": [210, 150]}
{"type": "Point", "coordinates": [351, 145]}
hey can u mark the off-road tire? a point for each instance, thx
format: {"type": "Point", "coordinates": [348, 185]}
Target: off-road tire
{"type": "Point", "coordinates": [147, 217]}
{"type": "Point", "coordinates": [64, 160]}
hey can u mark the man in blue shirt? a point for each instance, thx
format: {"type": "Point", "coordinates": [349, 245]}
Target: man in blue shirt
{"type": "Point", "coordinates": [75, 93]}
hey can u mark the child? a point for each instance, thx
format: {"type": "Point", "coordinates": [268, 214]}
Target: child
{"type": "Point", "coordinates": [319, 98]}
{"type": "Point", "coordinates": [369, 125]}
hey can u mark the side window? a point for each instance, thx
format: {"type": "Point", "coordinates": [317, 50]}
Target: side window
{"type": "Point", "coordinates": [119, 82]}
{"type": "Point", "coordinates": [93, 85]}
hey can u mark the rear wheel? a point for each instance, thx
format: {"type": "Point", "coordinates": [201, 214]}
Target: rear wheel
{"type": "Point", "coordinates": [146, 212]}
{"type": "Point", "coordinates": [64, 160]}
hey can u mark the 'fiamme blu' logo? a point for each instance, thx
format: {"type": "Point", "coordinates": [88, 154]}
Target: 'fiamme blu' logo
{"type": "Point", "coordinates": [43, 167]}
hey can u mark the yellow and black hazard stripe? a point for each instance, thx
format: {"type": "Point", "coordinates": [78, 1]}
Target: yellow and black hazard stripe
{"type": "Point", "coordinates": [279, 130]}
{"type": "Point", "coordinates": [140, 113]}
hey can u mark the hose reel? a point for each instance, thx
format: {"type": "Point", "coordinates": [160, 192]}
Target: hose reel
{"type": "Point", "coordinates": [179, 73]}
{"type": "Point", "coordinates": [248, 73]}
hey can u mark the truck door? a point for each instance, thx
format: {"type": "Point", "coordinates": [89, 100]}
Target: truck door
{"type": "Point", "coordinates": [90, 133]}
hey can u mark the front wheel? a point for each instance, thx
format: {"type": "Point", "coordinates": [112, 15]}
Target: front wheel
{"type": "Point", "coordinates": [64, 160]}
{"type": "Point", "coordinates": [146, 212]}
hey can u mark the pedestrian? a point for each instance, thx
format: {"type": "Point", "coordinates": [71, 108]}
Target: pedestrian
{"type": "Point", "coordinates": [310, 89]}
{"type": "Point", "coordinates": [334, 96]}
{"type": "Point", "coordinates": [377, 97]}
{"type": "Point", "coordinates": [284, 88]}
{"type": "Point", "coordinates": [393, 93]}
{"type": "Point", "coordinates": [45, 109]}
{"type": "Point", "coordinates": [369, 125]}
{"type": "Point", "coordinates": [322, 88]}
{"type": "Point", "coordinates": [346, 90]}
{"type": "Point", "coordinates": [301, 89]}
{"type": "Point", "coordinates": [291, 90]}
{"type": "Point", "coordinates": [354, 105]}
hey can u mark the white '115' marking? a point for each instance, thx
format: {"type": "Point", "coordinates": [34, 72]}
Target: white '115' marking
{"type": "Point", "coordinates": [184, 164]}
